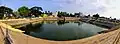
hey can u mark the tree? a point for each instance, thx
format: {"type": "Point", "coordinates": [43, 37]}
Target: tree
{"type": "Point", "coordinates": [77, 14]}
{"type": "Point", "coordinates": [89, 15]}
{"type": "Point", "coordinates": [44, 15]}
{"type": "Point", "coordinates": [5, 12]}
{"type": "Point", "coordinates": [71, 15]}
{"type": "Point", "coordinates": [49, 13]}
{"type": "Point", "coordinates": [23, 11]}
{"type": "Point", "coordinates": [59, 14]}
{"type": "Point", "coordinates": [46, 12]}
{"type": "Point", "coordinates": [16, 13]}
{"type": "Point", "coordinates": [63, 14]}
{"type": "Point", "coordinates": [4, 9]}
{"type": "Point", "coordinates": [96, 16]}
{"type": "Point", "coordinates": [36, 11]}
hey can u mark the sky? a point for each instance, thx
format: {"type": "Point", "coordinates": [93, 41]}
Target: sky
{"type": "Point", "coordinates": [107, 8]}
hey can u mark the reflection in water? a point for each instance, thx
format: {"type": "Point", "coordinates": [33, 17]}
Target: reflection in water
{"type": "Point", "coordinates": [79, 23]}
{"type": "Point", "coordinates": [61, 22]}
{"type": "Point", "coordinates": [32, 28]}
{"type": "Point", "coordinates": [68, 31]}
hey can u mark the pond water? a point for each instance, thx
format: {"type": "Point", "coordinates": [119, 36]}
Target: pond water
{"type": "Point", "coordinates": [61, 30]}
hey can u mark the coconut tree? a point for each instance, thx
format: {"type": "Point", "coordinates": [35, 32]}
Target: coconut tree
{"type": "Point", "coordinates": [36, 11]}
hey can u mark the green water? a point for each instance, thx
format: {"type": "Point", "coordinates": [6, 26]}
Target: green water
{"type": "Point", "coordinates": [61, 30]}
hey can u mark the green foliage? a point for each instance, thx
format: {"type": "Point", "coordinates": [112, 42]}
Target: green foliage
{"type": "Point", "coordinates": [4, 9]}
{"type": "Point", "coordinates": [16, 13]}
{"type": "Point", "coordinates": [44, 15]}
{"type": "Point", "coordinates": [24, 11]}
{"type": "Point", "coordinates": [36, 11]}
{"type": "Point", "coordinates": [1, 16]}
{"type": "Point", "coordinates": [96, 16]}
{"type": "Point", "coordinates": [5, 12]}
{"type": "Point", "coordinates": [63, 14]}
{"type": "Point", "coordinates": [36, 8]}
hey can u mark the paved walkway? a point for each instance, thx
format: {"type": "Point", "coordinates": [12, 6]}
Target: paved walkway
{"type": "Point", "coordinates": [112, 37]}
{"type": "Point", "coordinates": [1, 37]}
{"type": "Point", "coordinates": [107, 38]}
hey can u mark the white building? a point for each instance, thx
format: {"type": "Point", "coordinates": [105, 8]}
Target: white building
{"type": "Point", "coordinates": [55, 14]}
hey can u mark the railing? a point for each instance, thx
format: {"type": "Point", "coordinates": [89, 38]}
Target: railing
{"type": "Point", "coordinates": [6, 36]}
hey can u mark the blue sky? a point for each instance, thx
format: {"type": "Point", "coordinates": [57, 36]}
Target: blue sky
{"type": "Point", "coordinates": [103, 7]}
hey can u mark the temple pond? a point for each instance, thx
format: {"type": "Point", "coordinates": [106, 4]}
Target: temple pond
{"type": "Point", "coordinates": [61, 30]}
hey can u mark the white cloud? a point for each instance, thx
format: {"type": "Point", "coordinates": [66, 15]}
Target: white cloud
{"type": "Point", "coordinates": [113, 9]}
{"type": "Point", "coordinates": [104, 7]}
